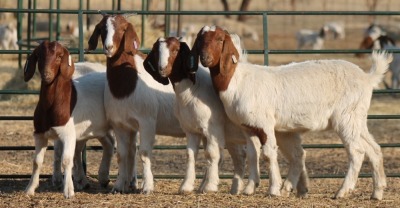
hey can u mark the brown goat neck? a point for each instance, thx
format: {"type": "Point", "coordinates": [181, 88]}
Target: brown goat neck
{"type": "Point", "coordinates": [220, 81]}
{"type": "Point", "coordinates": [55, 106]}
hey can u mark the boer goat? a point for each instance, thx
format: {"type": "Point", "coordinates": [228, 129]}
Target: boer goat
{"type": "Point", "coordinates": [385, 43]}
{"type": "Point", "coordinates": [264, 100]}
{"type": "Point", "coordinates": [68, 110]}
{"type": "Point", "coordinates": [8, 37]}
{"type": "Point", "coordinates": [201, 114]}
{"type": "Point", "coordinates": [133, 100]}
{"type": "Point", "coordinates": [306, 37]}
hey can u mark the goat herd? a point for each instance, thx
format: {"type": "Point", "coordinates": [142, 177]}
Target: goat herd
{"type": "Point", "coordinates": [224, 101]}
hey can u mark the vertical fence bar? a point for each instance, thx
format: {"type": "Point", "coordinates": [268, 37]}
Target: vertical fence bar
{"type": "Point", "coordinates": [19, 32]}
{"type": "Point", "coordinates": [88, 21]}
{"type": "Point", "coordinates": [167, 17]}
{"type": "Point", "coordinates": [28, 39]}
{"type": "Point", "coordinates": [179, 26]}
{"type": "Point", "coordinates": [51, 38]}
{"type": "Point", "coordinates": [80, 22]}
{"type": "Point", "coordinates": [144, 8]}
{"type": "Point", "coordinates": [58, 27]}
{"type": "Point", "coordinates": [81, 58]}
{"type": "Point", "coordinates": [265, 37]}
{"type": "Point", "coordinates": [34, 19]}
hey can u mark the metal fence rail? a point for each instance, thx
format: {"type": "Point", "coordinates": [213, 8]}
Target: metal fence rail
{"type": "Point", "coordinates": [266, 51]}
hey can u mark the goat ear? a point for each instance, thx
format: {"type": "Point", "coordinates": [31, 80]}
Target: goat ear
{"type": "Point", "coordinates": [94, 38]}
{"type": "Point", "coordinates": [30, 65]}
{"type": "Point", "coordinates": [188, 58]}
{"type": "Point", "coordinates": [150, 64]}
{"type": "Point", "coordinates": [229, 56]}
{"type": "Point", "coordinates": [195, 50]}
{"type": "Point", "coordinates": [67, 67]}
{"type": "Point", "coordinates": [131, 39]}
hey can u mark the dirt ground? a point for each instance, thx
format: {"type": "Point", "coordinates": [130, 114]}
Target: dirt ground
{"type": "Point", "coordinates": [172, 162]}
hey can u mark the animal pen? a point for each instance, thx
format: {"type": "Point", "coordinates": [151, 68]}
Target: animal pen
{"type": "Point", "coordinates": [25, 47]}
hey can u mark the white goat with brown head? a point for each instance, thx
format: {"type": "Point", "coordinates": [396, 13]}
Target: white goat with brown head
{"type": "Point", "coordinates": [264, 100]}
{"type": "Point", "coordinates": [68, 110]}
{"type": "Point", "coordinates": [201, 114]}
{"type": "Point", "coordinates": [133, 100]}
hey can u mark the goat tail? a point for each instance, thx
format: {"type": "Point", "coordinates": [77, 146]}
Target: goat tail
{"type": "Point", "coordinates": [380, 64]}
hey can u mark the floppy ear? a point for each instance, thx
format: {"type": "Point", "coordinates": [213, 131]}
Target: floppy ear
{"type": "Point", "coordinates": [386, 39]}
{"type": "Point", "coordinates": [67, 67]}
{"type": "Point", "coordinates": [188, 58]}
{"type": "Point", "coordinates": [150, 64]}
{"type": "Point", "coordinates": [30, 65]}
{"type": "Point", "coordinates": [229, 56]}
{"type": "Point", "coordinates": [131, 39]}
{"type": "Point", "coordinates": [195, 50]}
{"type": "Point", "coordinates": [94, 38]}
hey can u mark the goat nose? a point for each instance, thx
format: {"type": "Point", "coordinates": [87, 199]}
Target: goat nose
{"type": "Point", "coordinates": [206, 58]}
{"type": "Point", "coordinates": [109, 47]}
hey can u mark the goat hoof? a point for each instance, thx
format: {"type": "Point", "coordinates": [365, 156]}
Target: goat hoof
{"type": "Point", "coordinates": [209, 188]}
{"type": "Point", "coordinates": [115, 191]}
{"type": "Point", "coordinates": [248, 191]}
{"type": "Point", "coordinates": [57, 181]}
{"type": "Point", "coordinates": [134, 185]}
{"type": "Point", "coordinates": [146, 192]}
{"type": "Point", "coordinates": [69, 192]}
{"type": "Point", "coordinates": [234, 191]}
{"type": "Point", "coordinates": [302, 194]}
{"type": "Point", "coordinates": [377, 195]}
{"type": "Point", "coordinates": [30, 192]}
{"type": "Point", "coordinates": [285, 193]}
{"type": "Point", "coordinates": [104, 184]}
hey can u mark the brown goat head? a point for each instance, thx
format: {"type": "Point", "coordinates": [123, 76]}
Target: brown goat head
{"type": "Point", "coordinates": [379, 43]}
{"type": "Point", "coordinates": [117, 35]}
{"type": "Point", "coordinates": [170, 58]}
{"type": "Point", "coordinates": [215, 48]}
{"type": "Point", "coordinates": [52, 59]}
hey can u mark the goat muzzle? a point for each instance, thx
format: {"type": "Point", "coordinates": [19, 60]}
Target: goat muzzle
{"type": "Point", "coordinates": [206, 60]}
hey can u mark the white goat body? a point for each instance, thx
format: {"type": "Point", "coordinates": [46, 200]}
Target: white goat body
{"type": "Point", "coordinates": [287, 100]}
{"type": "Point", "coordinates": [133, 100]}
{"type": "Point", "coordinates": [294, 104]}
{"type": "Point", "coordinates": [315, 39]}
{"type": "Point", "coordinates": [201, 114]}
{"type": "Point", "coordinates": [8, 37]}
{"type": "Point", "coordinates": [86, 116]}
{"type": "Point", "coordinates": [337, 28]}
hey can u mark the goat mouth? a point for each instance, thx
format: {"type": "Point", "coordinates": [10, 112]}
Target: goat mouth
{"type": "Point", "coordinates": [163, 74]}
{"type": "Point", "coordinates": [108, 53]}
{"type": "Point", "coordinates": [206, 63]}
{"type": "Point", "coordinates": [47, 79]}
